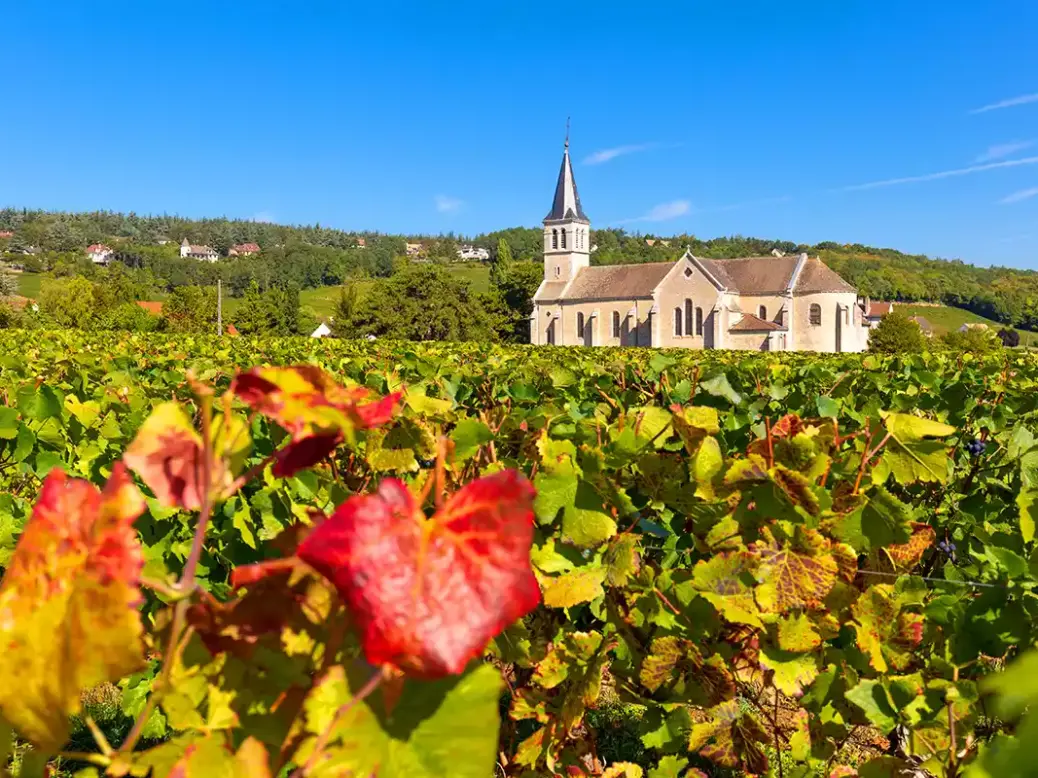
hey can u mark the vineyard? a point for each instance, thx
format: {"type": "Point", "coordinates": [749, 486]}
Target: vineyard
{"type": "Point", "coordinates": [463, 560]}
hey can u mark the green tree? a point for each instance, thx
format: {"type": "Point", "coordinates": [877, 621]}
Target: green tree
{"type": "Point", "coordinates": [8, 316]}
{"type": "Point", "coordinates": [1009, 338]}
{"type": "Point", "coordinates": [70, 302]}
{"type": "Point", "coordinates": [423, 302]}
{"type": "Point", "coordinates": [190, 309]}
{"type": "Point", "coordinates": [516, 291]}
{"type": "Point", "coordinates": [897, 334]}
{"type": "Point", "coordinates": [345, 308]}
{"type": "Point", "coordinates": [250, 318]}
{"type": "Point", "coordinates": [500, 263]}
{"type": "Point", "coordinates": [8, 285]}
{"type": "Point", "coordinates": [976, 340]}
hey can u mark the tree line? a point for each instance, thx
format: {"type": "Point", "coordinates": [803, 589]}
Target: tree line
{"type": "Point", "coordinates": [311, 256]}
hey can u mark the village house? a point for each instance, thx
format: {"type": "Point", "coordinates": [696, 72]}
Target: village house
{"type": "Point", "coordinates": [414, 249]}
{"type": "Point", "coordinates": [772, 303]}
{"type": "Point", "coordinates": [99, 253]}
{"type": "Point", "coordinates": [244, 250]}
{"type": "Point", "coordinates": [6, 234]}
{"type": "Point", "coordinates": [206, 253]}
{"type": "Point", "coordinates": [875, 311]}
{"type": "Point", "coordinates": [471, 253]}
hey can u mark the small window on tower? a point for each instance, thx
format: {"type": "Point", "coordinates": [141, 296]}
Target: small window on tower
{"type": "Point", "coordinates": [616, 324]}
{"type": "Point", "coordinates": [563, 238]}
{"type": "Point", "coordinates": [580, 325]}
{"type": "Point", "coordinates": [688, 272]}
{"type": "Point", "coordinates": [558, 271]}
{"type": "Point", "coordinates": [762, 312]}
{"type": "Point", "coordinates": [554, 239]}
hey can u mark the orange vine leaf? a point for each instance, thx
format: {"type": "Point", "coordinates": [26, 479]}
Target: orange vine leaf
{"type": "Point", "coordinates": [68, 603]}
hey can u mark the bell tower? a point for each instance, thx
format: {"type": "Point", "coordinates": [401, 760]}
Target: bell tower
{"type": "Point", "coordinates": [567, 230]}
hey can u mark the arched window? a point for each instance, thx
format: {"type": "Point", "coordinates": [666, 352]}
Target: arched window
{"type": "Point", "coordinates": [554, 239]}
{"type": "Point", "coordinates": [677, 322]}
{"type": "Point", "coordinates": [762, 312]}
{"type": "Point", "coordinates": [688, 317]}
{"type": "Point", "coordinates": [699, 321]}
{"type": "Point", "coordinates": [580, 325]}
{"type": "Point", "coordinates": [616, 324]}
{"type": "Point", "coordinates": [563, 238]}
{"type": "Point", "coordinates": [816, 315]}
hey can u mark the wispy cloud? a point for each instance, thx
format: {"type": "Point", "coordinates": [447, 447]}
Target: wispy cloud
{"type": "Point", "coordinates": [264, 217]}
{"type": "Point", "coordinates": [1023, 194]}
{"type": "Point", "coordinates": [964, 171]}
{"type": "Point", "coordinates": [1010, 103]}
{"type": "Point", "coordinates": [1003, 150]}
{"type": "Point", "coordinates": [663, 212]}
{"type": "Point", "coordinates": [605, 155]}
{"type": "Point", "coordinates": [446, 204]}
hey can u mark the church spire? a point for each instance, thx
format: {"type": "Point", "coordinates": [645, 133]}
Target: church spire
{"type": "Point", "coordinates": [566, 204]}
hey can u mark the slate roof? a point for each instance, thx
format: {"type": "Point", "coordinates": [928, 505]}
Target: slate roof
{"type": "Point", "coordinates": [618, 282]}
{"type": "Point", "coordinates": [745, 276]}
{"type": "Point", "coordinates": [550, 290]}
{"type": "Point", "coordinates": [751, 323]}
{"type": "Point", "coordinates": [924, 325]}
{"type": "Point", "coordinates": [566, 204]}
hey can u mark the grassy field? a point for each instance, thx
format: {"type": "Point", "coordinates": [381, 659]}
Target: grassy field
{"type": "Point", "coordinates": [945, 319]}
{"type": "Point", "coordinates": [29, 285]}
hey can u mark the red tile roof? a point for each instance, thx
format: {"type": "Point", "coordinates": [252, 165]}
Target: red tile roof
{"type": "Point", "coordinates": [246, 248]}
{"type": "Point", "coordinates": [877, 308]}
{"type": "Point", "coordinates": [6, 234]}
{"type": "Point", "coordinates": [97, 247]}
{"type": "Point", "coordinates": [154, 307]}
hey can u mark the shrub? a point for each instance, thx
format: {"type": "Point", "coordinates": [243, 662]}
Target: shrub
{"type": "Point", "coordinates": [897, 334]}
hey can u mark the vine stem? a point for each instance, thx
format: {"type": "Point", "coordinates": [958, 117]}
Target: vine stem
{"type": "Point", "coordinates": [953, 766]}
{"type": "Point", "coordinates": [322, 740]}
{"type": "Point", "coordinates": [186, 583]}
{"type": "Point", "coordinates": [775, 729]}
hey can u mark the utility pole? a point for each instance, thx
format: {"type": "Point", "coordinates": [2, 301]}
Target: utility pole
{"type": "Point", "coordinates": [219, 307]}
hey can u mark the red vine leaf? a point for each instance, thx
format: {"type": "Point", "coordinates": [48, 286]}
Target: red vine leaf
{"type": "Point", "coordinates": [787, 427]}
{"type": "Point", "coordinates": [428, 594]}
{"type": "Point", "coordinates": [68, 603]}
{"type": "Point", "coordinates": [316, 411]}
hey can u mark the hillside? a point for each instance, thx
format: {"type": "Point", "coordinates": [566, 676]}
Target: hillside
{"type": "Point", "coordinates": [315, 256]}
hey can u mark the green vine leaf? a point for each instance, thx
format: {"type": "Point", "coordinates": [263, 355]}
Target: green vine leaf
{"type": "Point", "coordinates": [915, 451]}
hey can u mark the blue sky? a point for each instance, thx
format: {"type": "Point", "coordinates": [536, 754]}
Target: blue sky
{"type": "Point", "coordinates": [757, 118]}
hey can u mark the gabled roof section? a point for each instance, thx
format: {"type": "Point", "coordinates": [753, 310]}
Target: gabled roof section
{"type": "Point", "coordinates": [617, 282]}
{"type": "Point", "coordinates": [549, 290]}
{"type": "Point", "coordinates": [566, 204]}
{"type": "Point", "coordinates": [818, 277]}
{"type": "Point", "coordinates": [753, 275]}
{"type": "Point", "coordinates": [751, 323]}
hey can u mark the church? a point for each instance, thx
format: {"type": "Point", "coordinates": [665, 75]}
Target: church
{"type": "Point", "coordinates": [772, 303]}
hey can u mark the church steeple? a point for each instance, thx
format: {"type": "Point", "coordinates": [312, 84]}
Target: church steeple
{"type": "Point", "coordinates": [566, 227]}
{"type": "Point", "coordinates": [566, 204]}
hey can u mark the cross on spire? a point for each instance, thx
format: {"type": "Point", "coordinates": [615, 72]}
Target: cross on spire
{"type": "Point", "coordinates": [567, 133]}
